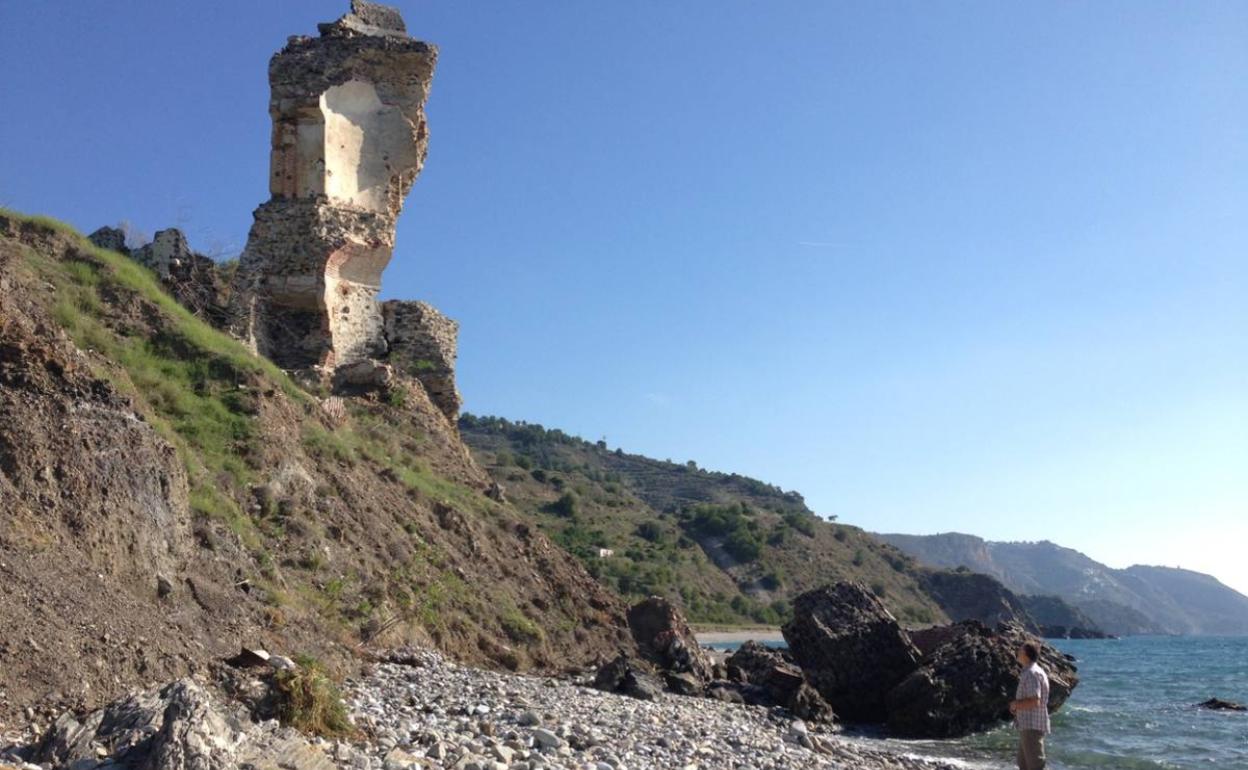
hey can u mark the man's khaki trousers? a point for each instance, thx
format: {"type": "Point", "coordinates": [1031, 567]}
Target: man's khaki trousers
{"type": "Point", "coordinates": [1030, 750]}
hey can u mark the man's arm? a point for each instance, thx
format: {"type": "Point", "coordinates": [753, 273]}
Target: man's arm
{"type": "Point", "coordinates": [1024, 704]}
{"type": "Point", "coordinates": [1031, 695]}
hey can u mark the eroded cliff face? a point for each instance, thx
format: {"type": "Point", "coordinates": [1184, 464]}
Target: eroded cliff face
{"type": "Point", "coordinates": [166, 495]}
{"type": "Point", "coordinates": [349, 139]}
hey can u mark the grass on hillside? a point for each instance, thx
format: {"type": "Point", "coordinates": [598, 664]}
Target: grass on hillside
{"type": "Point", "coordinates": [197, 386]}
{"type": "Point", "coordinates": [193, 380]}
{"type": "Point", "coordinates": [732, 550]}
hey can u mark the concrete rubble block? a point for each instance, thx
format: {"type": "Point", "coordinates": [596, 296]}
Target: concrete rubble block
{"type": "Point", "coordinates": [111, 238]}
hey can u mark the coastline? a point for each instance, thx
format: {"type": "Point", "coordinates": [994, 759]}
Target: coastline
{"type": "Point", "coordinates": [711, 635]}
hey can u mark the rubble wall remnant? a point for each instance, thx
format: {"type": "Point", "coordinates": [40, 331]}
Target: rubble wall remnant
{"type": "Point", "coordinates": [423, 345]}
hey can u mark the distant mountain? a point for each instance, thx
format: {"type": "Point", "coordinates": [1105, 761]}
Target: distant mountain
{"type": "Point", "coordinates": [1136, 600]}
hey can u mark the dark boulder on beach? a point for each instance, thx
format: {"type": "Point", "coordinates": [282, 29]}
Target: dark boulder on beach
{"type": "Point", "coordinates": [966, 680]}
{"type": "Point", "coordinates": [851, 649]}
{"type": "Point", "coordinates": [665, 639]}
{"type": "Point", "coordinates": [775, 680]}
{"type": "Point", "coordinates": [1217, 704]}
{"type": "Point", "coordinates": [627, 677]}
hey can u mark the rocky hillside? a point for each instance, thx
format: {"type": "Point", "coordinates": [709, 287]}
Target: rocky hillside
{"type": "Point", "coordinates": [967, 595]}
{"type": "Point", "coordinates": [1136, 600]}
{"type": "Point", "coordinates": [168, 496]}
{"type": "Point", "coordinates": [727, 548]}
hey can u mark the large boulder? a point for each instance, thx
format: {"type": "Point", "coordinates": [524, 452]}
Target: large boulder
{"type": "Point", "coordinates": [665, 639]}
{"type": "Point", "coordinates": [627, 677]}
{"type": "Point", "coordinates": [776, 681]}
{"type": "Point", "coordinates": [966, 682]}
{"type": "Point", "coordinates": [851, 649]}
{"type": "Point", "coordinates": [180, 726]}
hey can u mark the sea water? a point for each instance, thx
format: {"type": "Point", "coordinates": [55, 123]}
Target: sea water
{"type": "Point", "coordinates": [1133, 709]}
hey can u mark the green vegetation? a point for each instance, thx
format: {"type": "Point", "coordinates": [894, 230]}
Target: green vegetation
{"type": "Point", "coordinates": [565, 506]}
{"type": "Point", "coordinates": [518, 627]}
{"type": "Point", "coordinates": [310, 701]}
{"type": "Point", "coordinates": [735, 523]}
{"type": "Point", "coordinates": [195, 382]}
{"type": "Point", "coordinates": [729, 548]}
{"type": "Point", "coordinates": [368, 438]}
{"type": "Point", "coordinates": [203, 392]}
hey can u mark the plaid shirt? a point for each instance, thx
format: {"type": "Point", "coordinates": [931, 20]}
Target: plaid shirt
{"type": "Point", "coordinates": [1033, 682]}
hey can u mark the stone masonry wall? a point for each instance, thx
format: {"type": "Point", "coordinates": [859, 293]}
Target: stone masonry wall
{"type": "Point", "coordinates": [349, 138]}
{"type": "Point", "coordinates": [423, 345]}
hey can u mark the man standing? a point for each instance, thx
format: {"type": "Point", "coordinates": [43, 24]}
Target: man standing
{"type": "Point", "coordinates": [1030, 708]}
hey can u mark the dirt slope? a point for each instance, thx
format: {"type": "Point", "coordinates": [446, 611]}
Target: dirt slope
{"type": "Point", "coordinates": [165, 497]}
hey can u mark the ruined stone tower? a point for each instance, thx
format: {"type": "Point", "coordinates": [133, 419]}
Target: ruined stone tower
{"type": "Point", "coordinates": [349, 139]}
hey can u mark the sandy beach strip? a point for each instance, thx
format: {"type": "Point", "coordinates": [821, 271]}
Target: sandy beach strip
{"type": "Point", "coordinates": [739, 635]}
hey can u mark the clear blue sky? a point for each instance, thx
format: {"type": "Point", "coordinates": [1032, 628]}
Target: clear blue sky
{"type": "Point", "coordinates": [971, 266]}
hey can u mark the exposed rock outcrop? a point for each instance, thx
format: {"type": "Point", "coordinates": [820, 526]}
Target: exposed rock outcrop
{"type": "Point", "coordinates": [349, 139]}
{"type": "Point", "coordinates": [967, 681]}
{"type": "Point", "coordinates": [851, 649]}
{"type": "Point", "coordinates": [665, 639]}
{"type": "Point", "coordinates": [178, 727]}
{"type": "Point", "coordinates": [966, 595]}
{"type": "Point", "coordinates": [776, 681]}
{"type": "Point", "coordinates": [1058, 619]}
{"type": "Point", "coordinates": [1217, 704]}
{"type": "Point", "coordinates": [943, 681]}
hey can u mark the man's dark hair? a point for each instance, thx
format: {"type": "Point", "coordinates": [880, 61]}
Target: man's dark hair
{"type": "Point", "coordinates": [1031, 651]}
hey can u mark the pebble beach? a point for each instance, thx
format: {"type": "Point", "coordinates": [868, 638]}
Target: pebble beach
{"type": "Point", "coordinates": [440, 715]}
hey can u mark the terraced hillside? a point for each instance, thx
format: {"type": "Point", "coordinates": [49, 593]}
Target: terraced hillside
{"type": "Point", "coordinates": [730, 549]}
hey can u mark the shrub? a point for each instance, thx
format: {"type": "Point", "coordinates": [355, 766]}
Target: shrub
{"type": "Point", "coordinates": [650, 530]}
{"type": "Point", "coordinates": [565, 506]}
{"type": "Point", "coordinates": [778, 535]}
{"type": "Point", "coordinates": [743, 545]}
{"type": "Point", "coordinates": [519, 628]}
{"type": "Point", "coordinates": [309, 701]}
{"type": "Point", "coordinates": [803, 523]}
